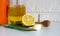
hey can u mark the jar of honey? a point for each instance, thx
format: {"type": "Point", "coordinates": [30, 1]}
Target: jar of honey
{"type": "Point", "coordinates": [16, 11]}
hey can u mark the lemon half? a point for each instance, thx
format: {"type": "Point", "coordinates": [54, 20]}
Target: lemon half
{"type": "Point", "coordinates": [28, 20]}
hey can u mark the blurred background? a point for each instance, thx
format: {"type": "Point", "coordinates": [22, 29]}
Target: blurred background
{"type": "Point", "coordinates": [48, 9]}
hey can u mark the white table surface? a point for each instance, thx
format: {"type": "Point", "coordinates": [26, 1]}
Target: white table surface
{"type": "Point", "coordinates": [53, 30]}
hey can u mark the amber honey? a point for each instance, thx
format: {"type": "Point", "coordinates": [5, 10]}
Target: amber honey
{"type": "Point", "coordinates": [16, 13]}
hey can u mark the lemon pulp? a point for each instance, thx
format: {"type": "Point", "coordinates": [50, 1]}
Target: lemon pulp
{"type": "Point", "coordinates": [28, 20]}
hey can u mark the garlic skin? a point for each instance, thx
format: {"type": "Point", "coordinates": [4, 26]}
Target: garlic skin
{"type": "Point", "coordinates": [37, 27]}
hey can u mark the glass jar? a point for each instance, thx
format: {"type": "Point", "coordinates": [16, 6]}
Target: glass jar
{"type": "Point", "coordinates": [16, 11]}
